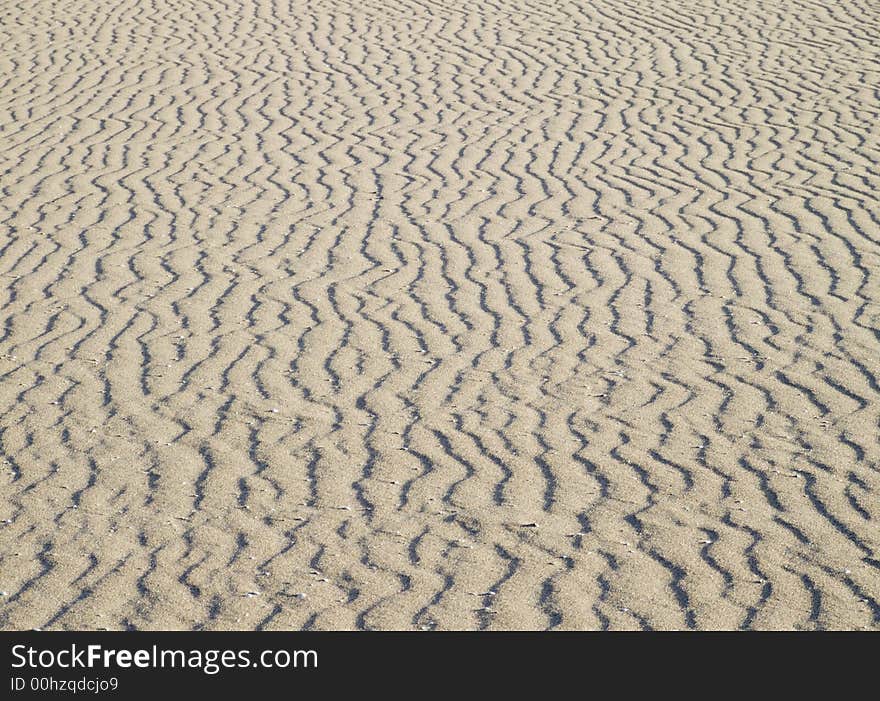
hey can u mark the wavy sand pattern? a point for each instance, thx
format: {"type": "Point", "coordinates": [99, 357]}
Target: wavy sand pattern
{"type": "Point", "coordinates": [439, 314]}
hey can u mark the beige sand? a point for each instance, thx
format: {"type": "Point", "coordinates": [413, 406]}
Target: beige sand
{"type": "Point", "coordinates": [423, 314]}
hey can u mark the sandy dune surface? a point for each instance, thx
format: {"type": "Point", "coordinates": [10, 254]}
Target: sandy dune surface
{"type": "Point", "coordinates": [417, 314]}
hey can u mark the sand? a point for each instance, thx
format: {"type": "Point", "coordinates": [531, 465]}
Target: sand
{"type": "Point", "coordinates": [439, 314]}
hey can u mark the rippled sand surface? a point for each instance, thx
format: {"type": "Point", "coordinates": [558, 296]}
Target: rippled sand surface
{"type": "Point", "coordinates": [439, 314]}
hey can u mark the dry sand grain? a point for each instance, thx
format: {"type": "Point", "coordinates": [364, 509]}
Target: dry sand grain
{"type": "Point", "coordinates": [439, 314]}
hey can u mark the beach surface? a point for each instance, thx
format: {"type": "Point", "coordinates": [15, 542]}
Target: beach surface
{"type": "Point", "coordinates": [439, 314]}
